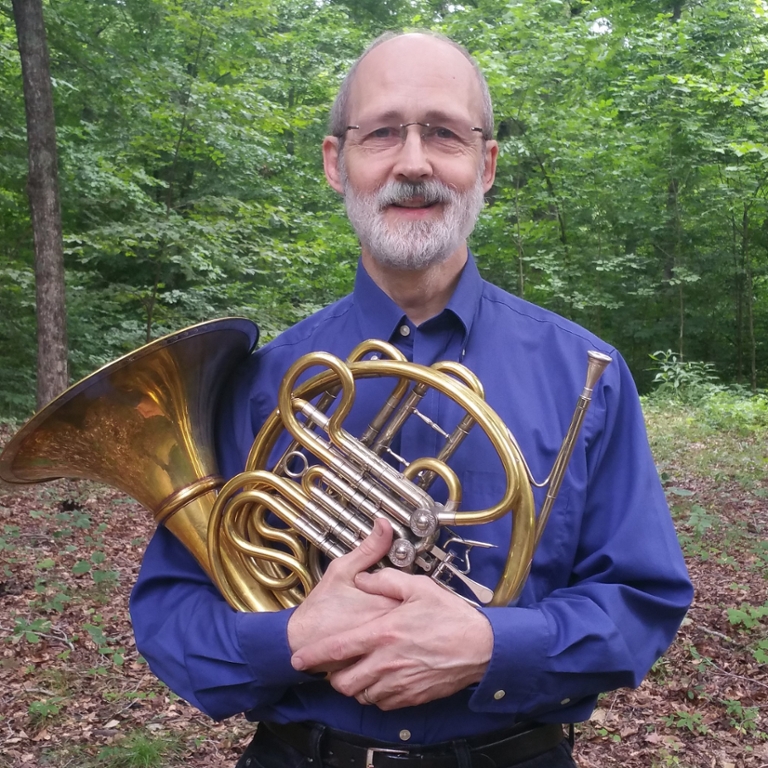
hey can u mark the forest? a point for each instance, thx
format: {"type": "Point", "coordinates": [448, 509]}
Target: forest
{"type": "Point", "coordinates": [630, 197]}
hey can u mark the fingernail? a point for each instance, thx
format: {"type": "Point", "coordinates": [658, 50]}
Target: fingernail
{"type": "Point", "coordinates": [297, 663]}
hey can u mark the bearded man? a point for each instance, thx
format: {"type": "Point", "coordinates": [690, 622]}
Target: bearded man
{"type": "Point", "coordinates": [386, 669]}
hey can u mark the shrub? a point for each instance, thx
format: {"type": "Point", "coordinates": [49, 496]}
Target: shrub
{"type": "Point", "coordinates": [683, 380]}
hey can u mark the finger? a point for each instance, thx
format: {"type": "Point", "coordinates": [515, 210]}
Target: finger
{"type": "Point", "coordinates": [383, 693]}
{"type": "Point", "coordinates": [366, 697]}
{"type": "Point", "coordinates": [388, 702]}
{"type": "Point", "coordinates": [372, 549]}
{"type": "Point", "coordinates": [341, 647]}
{"type": "Point", "coordinates": [357, 678]}
{"type": "Point", "coordinates": [389, 582]}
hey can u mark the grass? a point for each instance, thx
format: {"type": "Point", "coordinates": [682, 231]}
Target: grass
{"type": "Point", "coordinates": [720, 445]}
{"type": "Point", "coordinates": [720, 438]}
{"type": "Point", "coordinates": [139, 750]}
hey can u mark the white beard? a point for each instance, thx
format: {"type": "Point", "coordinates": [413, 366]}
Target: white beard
{"type": "Point", "coordinates": [412, 245]}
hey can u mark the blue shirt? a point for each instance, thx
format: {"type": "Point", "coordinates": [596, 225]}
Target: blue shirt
{"type": "Point", "coordinates": [608, 587]}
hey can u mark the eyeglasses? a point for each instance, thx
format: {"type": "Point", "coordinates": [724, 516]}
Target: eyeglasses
{"type": "Point", "coordinates": [446, 138]}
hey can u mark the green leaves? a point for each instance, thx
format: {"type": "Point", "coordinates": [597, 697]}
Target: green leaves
{"type": "Point", "coordinates": [191, 175]}
{"type": "Point", "coordinates": [747, 616]}
{"type": "Point", "coordinates": [31, 631]}
{"type": "Point", "coordinates": [630, 193]}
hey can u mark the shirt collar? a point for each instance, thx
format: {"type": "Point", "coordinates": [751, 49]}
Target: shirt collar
{"type": "Point", "coordinates": [379, 316]}
{"type": "Point", "coordinates": [465, 301]}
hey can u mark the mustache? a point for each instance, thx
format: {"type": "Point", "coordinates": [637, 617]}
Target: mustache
{"type": "Point", "coordinates": [398, 192]}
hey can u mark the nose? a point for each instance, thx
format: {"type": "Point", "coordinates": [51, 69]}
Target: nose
{"type": "Point", "coordinates": [412, 161]}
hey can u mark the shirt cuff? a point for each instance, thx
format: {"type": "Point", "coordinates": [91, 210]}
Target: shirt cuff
{"type": "Point", "coordinates": [521, 639]}
{"type": "Point", "coordinates": [264, 642]}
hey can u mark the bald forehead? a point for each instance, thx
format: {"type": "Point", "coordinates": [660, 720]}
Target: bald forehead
{"type": "Point", "coordinates": [416, 72]}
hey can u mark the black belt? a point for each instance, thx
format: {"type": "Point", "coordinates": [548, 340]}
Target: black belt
{"type": "Point", "coordinates": [492, 750]}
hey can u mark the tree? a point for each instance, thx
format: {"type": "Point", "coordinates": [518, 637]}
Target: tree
{"type": "Point", "coordinates": [43, 191]}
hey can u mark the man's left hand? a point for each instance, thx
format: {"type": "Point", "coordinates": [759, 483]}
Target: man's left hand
{"type": "Point", "coordinates": [429, 647]}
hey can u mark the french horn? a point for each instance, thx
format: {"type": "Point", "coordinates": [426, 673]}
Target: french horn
{"type": "Point", "coordinates": [144, 424]}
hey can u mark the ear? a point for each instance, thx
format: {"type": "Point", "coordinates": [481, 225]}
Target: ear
{"type": "Point", "coordinates": [331, 163]}
{"type": "Point", "coordinates": [491, 156]}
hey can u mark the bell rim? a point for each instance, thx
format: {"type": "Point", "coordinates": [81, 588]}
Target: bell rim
{"type": "Point", "coordinates": [7, 456]}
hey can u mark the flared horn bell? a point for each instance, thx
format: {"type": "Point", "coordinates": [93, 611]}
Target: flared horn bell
{"type": "Point", "coordinates": [144, 425]}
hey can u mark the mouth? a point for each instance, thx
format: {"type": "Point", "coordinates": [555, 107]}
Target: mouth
{"type": "Point", "coordinates": [415, 203]}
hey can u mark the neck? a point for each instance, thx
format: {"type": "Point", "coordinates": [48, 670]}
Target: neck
{"type": "Point", "coordinates": [423, 293]}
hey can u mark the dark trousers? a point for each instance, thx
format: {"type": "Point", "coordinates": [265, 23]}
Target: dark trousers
{"type": "Point", "coordinates": [267, 751]}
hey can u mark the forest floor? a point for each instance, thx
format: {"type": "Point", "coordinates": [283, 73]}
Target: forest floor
{"type": "Point", "coordinates": [75, 693]}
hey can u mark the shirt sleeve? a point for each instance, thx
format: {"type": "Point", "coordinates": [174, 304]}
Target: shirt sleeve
{"type": "Point", "coordinates": [628, 590]}
{"type": "Point", "coordinates": [220, 660]}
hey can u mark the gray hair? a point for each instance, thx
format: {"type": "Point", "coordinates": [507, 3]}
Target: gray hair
{"type": "Point", "coordinates": [339, 118]}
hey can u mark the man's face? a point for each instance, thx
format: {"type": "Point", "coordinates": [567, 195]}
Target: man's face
{"type": "Point", "coordinates": [434, 222]}
{"type": "Point", "coordinates": [413, 202]}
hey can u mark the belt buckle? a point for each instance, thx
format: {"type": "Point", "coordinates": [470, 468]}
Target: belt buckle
{"type": "Point", "coordinates": [369, 754]}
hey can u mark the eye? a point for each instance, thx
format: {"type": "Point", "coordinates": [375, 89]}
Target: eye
{"type": "Point", "coordinates": [384, 133]}
{"type": "Point", "coordinates": [443, 134]}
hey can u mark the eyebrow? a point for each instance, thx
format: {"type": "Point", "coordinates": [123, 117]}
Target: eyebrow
{"type": "Point", "coordinates": [432, 116]}
{"type": "Point", "coordinates": [440, 116]}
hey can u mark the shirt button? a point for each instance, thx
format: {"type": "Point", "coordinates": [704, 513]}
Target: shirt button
{"type": "Point", "coordinates": [565, 701]}
{"type": "Point", "coordinates": [499, 695]}
{"type": "Point", "coordinates": [405, 735]}
{"type": "Point", "coordinates": [405, 330]}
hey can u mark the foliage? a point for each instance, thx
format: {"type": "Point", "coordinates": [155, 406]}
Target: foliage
{"type": "Point", "coordinates": [752, 619]}
{"type": "Point", "coordinates": [630, 195]}
{"type": "Point", "coordinates": [743, 719]}
{"type": "Point", "coordinates": [747, 616]}
{"type": "Point", "coordinates": [40, 711]}
{"type": "Point", "coordinates": [692, 721]}
{"type": "Point", "coordinates": [736, 410]}
{"type": "Point", "coordinates": [682, 379]}
{"type": "Point", "coordinates": [722, 431]}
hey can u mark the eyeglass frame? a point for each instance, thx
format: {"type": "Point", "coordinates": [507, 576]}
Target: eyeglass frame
{"type": "Point", "coordinates": [403, 127]}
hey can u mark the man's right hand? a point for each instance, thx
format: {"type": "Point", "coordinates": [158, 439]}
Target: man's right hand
{"type": "Point", "coordinates": [336, 604]}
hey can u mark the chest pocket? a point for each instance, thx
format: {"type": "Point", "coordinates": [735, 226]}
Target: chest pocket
{"type": "Point", "coordinates": [482, 489]}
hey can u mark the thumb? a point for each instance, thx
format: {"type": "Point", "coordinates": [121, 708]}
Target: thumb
{"type": "Point", "coordinates": [373, 548]}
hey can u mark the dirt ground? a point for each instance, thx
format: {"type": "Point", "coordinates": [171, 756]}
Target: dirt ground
{"type": "Point", "coordinates": [74, 692]}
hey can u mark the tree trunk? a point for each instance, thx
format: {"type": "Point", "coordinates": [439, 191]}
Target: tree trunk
{"type": "Point", "coordinates": [681, 314]}
{"type": "Point", "coordinates": [739, 281]}
{"type": "Point", "coordinates": [750, 286]}
{"type": "Point", "coordinates": [43, 192]}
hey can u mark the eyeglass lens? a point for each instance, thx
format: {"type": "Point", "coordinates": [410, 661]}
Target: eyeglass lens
{"type": "Point", "coordinates": [445, 137]}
